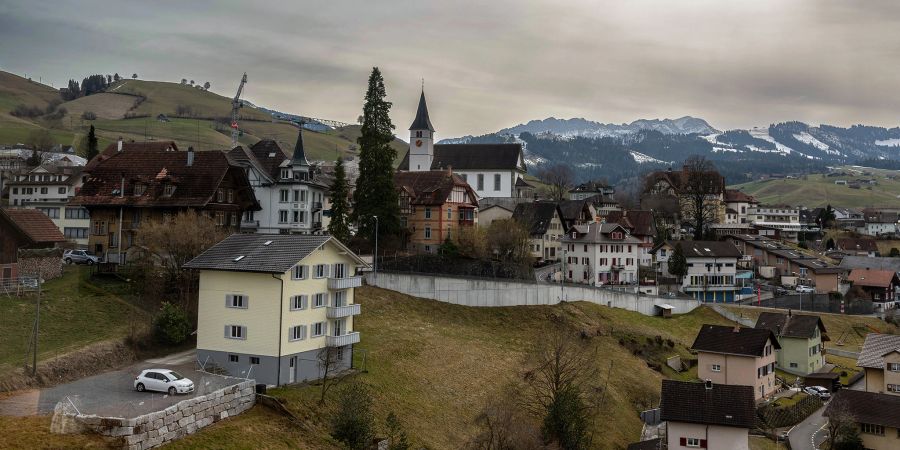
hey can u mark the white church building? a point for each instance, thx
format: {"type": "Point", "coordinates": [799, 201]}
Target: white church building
{"type": "Point", "coordinates": [492, 170]}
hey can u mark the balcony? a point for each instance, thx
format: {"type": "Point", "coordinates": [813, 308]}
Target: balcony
{"type": "Point", "coordinates": [249, 224]}
{"type": "Point", "coordinates": [342, 340]}
{"type": "Point", "coordinates": [317, 225]}
{"type": "Point", "coordinates": [316, 206]}
{"type": "Point", "coordinates": [336, 312]}
{"type": "Point", "coordinates": [344, 283]}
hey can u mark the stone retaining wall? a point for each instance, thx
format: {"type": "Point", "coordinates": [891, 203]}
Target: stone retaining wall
{"type": "Point", "coordinates": [157, 428]}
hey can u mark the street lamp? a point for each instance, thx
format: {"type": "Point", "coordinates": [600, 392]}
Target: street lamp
{"type": "Point", "coordinates": [375, 255]}
{"type": "Point", "coordinates": [562, 276]}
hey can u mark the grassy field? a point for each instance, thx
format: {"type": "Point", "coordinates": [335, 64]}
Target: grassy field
{"type": "Point", "coordinates": [437, 365]}
{"type": "Point", "coordinates": [818, 190]}
{"type": "Point", "coordinates": [164, 97]}
{"type": "Point", "coordinates": [849, 330]}
{"type": "Point", "coordinates": [34, 433]}
{"type": "Point", "coordinates": [75, 312]}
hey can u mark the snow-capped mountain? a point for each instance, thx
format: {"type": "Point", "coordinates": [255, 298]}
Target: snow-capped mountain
{"type": "Point", "coordinates": [588, 128]}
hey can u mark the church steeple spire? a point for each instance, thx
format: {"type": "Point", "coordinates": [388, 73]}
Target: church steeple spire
{"type": "Point", "coordinates": [422, 122]}
{"type": "Point", "coordinates": [299, 158]}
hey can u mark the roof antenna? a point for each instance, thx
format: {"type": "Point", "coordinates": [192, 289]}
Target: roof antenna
{"type": "Point", "coordinates": [423, 84]}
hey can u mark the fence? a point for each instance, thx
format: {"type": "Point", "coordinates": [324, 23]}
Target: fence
{"type": "Point", "coordinates": [471, 291]}
{"type": "Point", "coordinates": [818, 303]}
{"type": "Point", "coordinates": [19, 285]}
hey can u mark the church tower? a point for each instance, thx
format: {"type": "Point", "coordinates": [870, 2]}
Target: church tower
{"type": "Point", "coordinates": [421, 139]}
{"type": "Point", "coordinates": [299, 164]}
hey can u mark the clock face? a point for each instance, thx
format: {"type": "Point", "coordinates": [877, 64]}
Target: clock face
{"type": "Point", "coordinates": [419, 143]}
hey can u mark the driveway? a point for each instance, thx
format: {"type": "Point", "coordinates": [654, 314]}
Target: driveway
{"type": "Point", "coordinates": [809, 434]}
{"type": "Point", "coordinates": [541, 273]}
{"type": "Point", "coordinates": [112, 393]}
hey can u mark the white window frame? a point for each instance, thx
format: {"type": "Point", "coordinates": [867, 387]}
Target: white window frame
{"type": "Point", "coordinates": [427, 232]}
{"type": "Point", "coordinates": [320, 271]}
{"type": "Point", "coordinates": [892, 367]}
{"type": "Point", "coordinates": [300, 272]}
{"type": "Point", "coordinates": [319, 329]}
{"type": "Point", "coordinates": [230, 301]}
{"type": "Point", "coordinates": [241, 334]}
{"type": "Point", "coordinates": [716, 368]}
{"type": "Point", "coordinates": [320, 300]}
{"type": "Point", "coordinates": [427, 212]}
{"type": "Point", "coordinates": [299, 302]}
{"type": "Point", "coordinates": [692, 442]}
{"type": "Point", "coordinates": [297, 333]}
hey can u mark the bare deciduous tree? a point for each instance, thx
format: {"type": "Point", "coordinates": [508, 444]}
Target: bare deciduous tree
{"type": "Point", "coordinates": [508, 240]}
{"type": "Point", "coordinates": [841, 427]}
{"type": "Point", "coordinates": [700, 187]}
{"type": "Point", "coordinates": [559, 180]}
{"type": "Point", "coordinates": [328, 360]}
{"type": "Point", "coordinates": [504, 426]}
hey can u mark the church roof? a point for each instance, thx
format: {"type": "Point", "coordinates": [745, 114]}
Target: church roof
{"type": "Point", "coordinates": [422, 122]}
{"type": "Point", "coordinates": [299, 158]}
{"type": "Point", "coordinates": [474, 157]}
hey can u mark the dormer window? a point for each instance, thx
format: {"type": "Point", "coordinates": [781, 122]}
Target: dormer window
{"type": "Point", "coordinates": [168, 189]}
{"type": "Point", "coordinates": [285, 174]}
{"type": "Point", "coordinates": [139, 189]}
{"type": "Point", "coordinates": [220, 195]}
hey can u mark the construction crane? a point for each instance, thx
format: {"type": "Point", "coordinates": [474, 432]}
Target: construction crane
{"type": "Point", "coordinates": [236, 105]}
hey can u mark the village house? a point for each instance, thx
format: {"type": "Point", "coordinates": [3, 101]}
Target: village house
{"type": "Point", "coordinates": [711, 270]}
{"type": "Point", "coordinates": [489, 211]}
{"type": "Point", "coordinates": [545, 226]}
{"type": "Point", "coordinates": [599, 254]}
{"type": "Point", "coordinates": [707, 415]}
{"type": "Point", "coordinates": [492, 170]}
{"type": "Point", "coordinates": [603, 206]}
{"type": "Point", "coordinates": [133, 186]}
{"type": "Point", "coordinates": [857, 246]}
{"type": "Point", "coordinates": [434, 206]}
{"type": "Point", "coordinates": [291, 195]}
{"type": "Point", "coordinates": [642, 226]}
{"type": "Point", "coordinates": [879, 223]}
{"type": "Point", "coordinates": [665, 192]}
{"type": "Point", "coordinates": [277, 308]}
{"type": "Point", "coordinates": [739, 204]}
{"type": "Point", "coordinates": [785, 219]}
{"type": "Point", "coordinates": [874, 415]}
{"type": "Point", "coordinates": [736, 355]}
{"type": "Point", "coordinates": [786, 266]}
{"type": "Point", "coordinates": [48, 188]}
{"type": "Point", "coordinates": [590, 189]}
{"type": "Point", "coordinates": [28, 246]}
{"type": "Point", "coordinates": [880, 286]}
{"type": "Point", "coordinates": [880, 358]}
{"type": "Point", "coordinates": [801, 338]}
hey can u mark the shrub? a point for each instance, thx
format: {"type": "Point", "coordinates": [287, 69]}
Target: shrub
{"type": "Point", "coordinates": [171, 326]}
{"type": "Point", "coordinates": [23, 110]}
{"type": "Point", "coordinates": [89, 115]}
{"type": "Point", "coordinates": [353, 423]}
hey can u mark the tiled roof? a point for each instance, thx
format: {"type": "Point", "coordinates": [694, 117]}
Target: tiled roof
{"type": "Point", "coordinates": [867, 262]}
{"type": "Point", "coordinates": [736, 196]}
{"type": "Point", "coordinates": [866, 407]}
{"type": "Point", "coordinates": [283, 252]}
{"type": "Point", "coordinates": [793, 325]}
{"type": "Point", "coordinates": [33, 224]}
{"type": "Point", "coordinates": [733, 340]}
{"type": "Point", "coordinates": [599, 233]}
{"type": "Point", "coordinates": [857, 244]}
{"type": "Point", "coordinates": [723, 404]}
{"type": "Point", "coordinates": [431, 187]}
{"type": "Point", "coordinates": [112, 149]}
{"type": "Point", "coordinates": [536, 216]}
{"type": "Point", "coordinates": [876, 346]}
{"type": "Point", "coordinates": [708, 249]}
{"type": "Point", "coordinates": [195, 184]}
{"type": "Point", "coordinates": [639, 222]}
{"type": "Point", "coordinates": [573, 210]}
{"type": "Point", "coordinates": [474, 157]}
{"type": "Point", "coordinates": [269, 156]}
{"type": "Point", "coordinates": [871, 278]}
{"type": "Point", "coordinates": [650, 444]}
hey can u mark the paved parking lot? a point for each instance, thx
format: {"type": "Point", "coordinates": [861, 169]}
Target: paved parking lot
{"type": "Point", "coordinates": [112, 393]}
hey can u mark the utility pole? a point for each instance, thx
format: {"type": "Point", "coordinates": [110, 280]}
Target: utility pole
{"type": "Point", "coordinates": [375, 255]}
{"type": "Point", "coordinates": [37, 327]}
{"type": "Point", "coordinates": [562, 276]}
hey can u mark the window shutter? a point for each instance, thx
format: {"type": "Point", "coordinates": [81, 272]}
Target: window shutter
{"type": "Point", "coordinates": [227, 334]}
{"type": "Point", "coordinates": [304, 272]}
{"type": "Point", "coordinates": [228, 298]}
{"type": "Point", "coordinates": [682, 442]}
{"type": "Point", "coordinates": [244, 333]}
{"type": "Point", "coordinates": [303, 301]}
{"type": "Point", "coordinates": [702, 443]}
{"type": "Point", "coordinates": [326, 266]}
{"type": "Point", "coordinates": [325, 300]}
{"type": "Point", "coordinates": [324, 328]}
{"type": "Point", "coordinates": [246, 301]}
{"type": "Point", "coordinates": [302, 332]}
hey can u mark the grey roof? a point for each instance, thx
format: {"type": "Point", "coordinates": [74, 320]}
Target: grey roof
{"type": "Point", "coordinates": [723, 404]}
{"type": "Point", "coordinates": [284, 252]}
{"type": "Point", "coordinates": [537, 216]}
{"type": "Point", "coordinates": [708, 249]}
{"type": "Point", "coordinates": [875, 347]}
{"type": "Point", "coordinates": [422, 122]}
{"type": "Point", "coordinates": [299, 158]}
{"type": "Point", "coordinates": [474, 157]}
{"type": "Point", "coordinates": [866, 407]}
{"type": "Point", "coordinates": [598, 233]}
{"type": "Point", "coordinates": [790, 325]}
{"type": "Point", "coordinates": [866, 262]}
{"type": "Point", "coordinates": [734, 340]}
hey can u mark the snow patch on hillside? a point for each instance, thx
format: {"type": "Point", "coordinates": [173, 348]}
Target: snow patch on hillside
{"type": "Point", "coordinates": [889, 143]}
{"type": "Point", "coordinates": [809, 139]}
{"type": "Point", "coordinates": [641, 158]}
{"type": "Point", "coordinates": [763, 133]}
{"type": "Point", "coordinates": [724, 150]}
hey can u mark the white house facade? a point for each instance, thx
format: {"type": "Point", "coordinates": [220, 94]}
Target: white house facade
{"type": "Point", "coordinates": [48, 188]}
{"type": "Point", "coordinates": [600, 254]}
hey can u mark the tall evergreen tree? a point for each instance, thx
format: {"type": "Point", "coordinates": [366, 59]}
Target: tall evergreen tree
{"type": "Point", "coordinates": [375, 192]}
{"type": "Point", "coordinates": [678, 262]}
{"type": "Point", "coordinates": [91, 151]}
{"type": "Point", "coordinates": [339, 226]}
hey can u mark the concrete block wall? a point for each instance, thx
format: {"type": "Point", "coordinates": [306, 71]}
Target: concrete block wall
{"type": "Point", "coordinates": [492, 293]}
{"type": "Point", "coordinates": [157, 428]}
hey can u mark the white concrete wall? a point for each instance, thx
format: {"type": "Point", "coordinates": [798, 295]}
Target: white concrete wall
{"type": "Point", "coordinates": [490, 293]}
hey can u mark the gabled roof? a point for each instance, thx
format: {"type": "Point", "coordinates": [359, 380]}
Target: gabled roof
{"type": "Point", "coordinates": [432, 187]}
{"type": "Point", "coordinates": [592, 186]}
{"type": "Point", "coordinates": [872, 278]}
{"type": "Point", "coordinates": [536, 216]}
{"type": "Point", "coordinates": [708, 249]}
{"type": "Point", "coordinates": [33, 224]}
{"type": "Point", "coordinates": [856, 244]}
{"type": "Point", "coordinates": [723, 404]}
{"type": "Point", "coordinates": [790, 325]}
{"type": "Point", "coordinates": [876, 346]}
{"type": "Point", "coordinates": [736, 196]}
{"type": "Point", "coordinates": [599, 233]}
{"type": "Point", "coordinates": [650, 444]}
{"type": "Point", "coordinates": [474, 157]}
{"type": "Point", "coordinates": [733, 340]}
{"type": "Point", "coordinates": [112, 149]}
{"type": "Point", "coordinates": [249, 252]}
{"type": "Point", "coordinates": [867, 262]}
{"type": "Point", "coordinates": [574, 210]}
{"type": "Point", "coordinates": [639, 222]}
{"type": "Point", "coordinates": [269, 156]}
{"type": "Point", "coordinates": [422, 122]}
{"type": "Point", "coordinates": [866, 407]}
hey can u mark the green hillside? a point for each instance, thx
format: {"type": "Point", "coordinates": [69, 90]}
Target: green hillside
{"type": "Point", "coordinates": [818, 190]}
{"type": "Point", "coordinates": [129, 108]}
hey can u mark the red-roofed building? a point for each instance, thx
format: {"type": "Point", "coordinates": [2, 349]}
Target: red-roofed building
{"type": "Point", "coordinates": [140, 184]}
{"type": "Point", "coordinates": [24, 230]}
{"type": "Point", "coordinates": [880, 285]}
{"type": "Point", "coordinates": [434, 205]}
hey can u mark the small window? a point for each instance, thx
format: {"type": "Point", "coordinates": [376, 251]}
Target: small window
{"type": "Point", "coordinates": [319, 329]}
{"type": "Point", "coordinates": [254, 360]}
{"type": "Point", "coordinates": [236, 301]}
{"type": "Point", "coordinates": [427, 232]}
{"type": "Point", "coordinates": [496, 181]}
{"type": "Point", "coordinates": [168, 190]}
{"type": "Point", "coordinates": [235, 332]}
{"type": "Point", "coordinates": [220, 195]}
{"type": "Point", "coordinates": [231, 196]}
{"type": "Point", "coordinates": [300, 272]}
{"type": "Point", "coordinates": [298, 302]}
{"type": "Point", "coordinates": [320, 271]}
{"type": "Point", "coordinates": [320, 300]}
{"type": "Point", "coordinates": [298, 333]}
{"type": "Point", "coordinates": [449, 213]}
{"type": "Point", "coordinates": [893, 367]}
{"type": "Point", "coordinates": [233, 358]}
{"type": "Point", "coordinates": [693, 442]}
{"type": "Point", "coordinates": [716, 368]}
{"type": "Point", "coordinates": [427, 212]}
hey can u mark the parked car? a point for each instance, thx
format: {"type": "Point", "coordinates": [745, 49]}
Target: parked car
{"type": "Point", "coordinates": [818, 391]}
{"type": "Point", "coordinates": [802, 289]}
{"type": "Point", "coordinates": [163, 380]}
{"type": "Point", "coordinates": [79, 257]}
{"type": "Point", "coordinates": [779, 291]}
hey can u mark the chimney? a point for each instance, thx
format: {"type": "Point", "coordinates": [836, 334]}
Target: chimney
{"type": "Point", "coordinates": [737, 329]}
{"type": "Point", "coordinates": [708, 384]}
{"type": "Point", "coordinates": [190, 156]}
{"type": "Point", "coordinates": [450, 170]}
{"type": "Point", "coordinates": [119, 148]}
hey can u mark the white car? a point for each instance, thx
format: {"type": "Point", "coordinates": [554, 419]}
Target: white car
{"type": "Point", "coordinates": [818, 391]}
{"type": "Point", "coordinates": [801, 289]}
{"type": "Point", "coordinates": [163, 380]}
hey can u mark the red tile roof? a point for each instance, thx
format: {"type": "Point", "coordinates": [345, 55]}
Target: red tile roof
{"type": "Point", "coordinates": [34, 224]}
{"type": "Point", "coordinates": [736, 196]}
{"type": "Point", "coordinates": [871, 278]}
{"type": "Point", "coordinates": [113, 149]}
{"type": "Point", "coordinates": [856, 244]}
{"type": "Point", "coordinates": [432, 187]}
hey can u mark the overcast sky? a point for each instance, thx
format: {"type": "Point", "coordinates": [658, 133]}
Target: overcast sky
{"type": "Point", "coordinates": [490, 64]}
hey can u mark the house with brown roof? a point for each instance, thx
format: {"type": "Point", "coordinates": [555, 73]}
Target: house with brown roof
{"type": "Point", "coordinates": [434, 206]}
{"type": "Point", "coordinates": [877, 416]}
{"type": "Point", "coordinates": [600, 254]}
{"type": "Point", "coordinates": [28, 245]}
{"type": "Point", "coordinates": [880, 358]}
{"type": "Point", "coordinates": [642, 225]}
{"type": "Point", "coordinates": [739, 204]}
{"type": "Point", "coordinates": [801, 338]}
{"type": "Point", "coordinates": [545, 224]}
{"type": "Point", "coordinates": [737, 356]}
{"type": "Point", "coordinates": [857, 246]}
{"type": "Point", "coordinates": [577, 212]}
{"type": "Point", "coordinates": [880, 286]}
{"type": "Point", "coordinates": [666, 192]}
{"type": "Point", "coordinates": [707, 415]}
{"type": "Point", "coordinates": [788, 266]}
{"type": "Point", "coordinates": [131, 187]}
{"type": "Point", "coordinates": [711, 270]}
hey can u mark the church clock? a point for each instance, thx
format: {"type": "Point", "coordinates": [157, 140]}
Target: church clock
{"type": "Point", "coordinates": [418, 143]}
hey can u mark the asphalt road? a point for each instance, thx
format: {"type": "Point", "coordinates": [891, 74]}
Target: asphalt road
{"type": "Point", "coordinates": [112, 393]}
{"type": "Point", "coordinates": [810, 434]}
